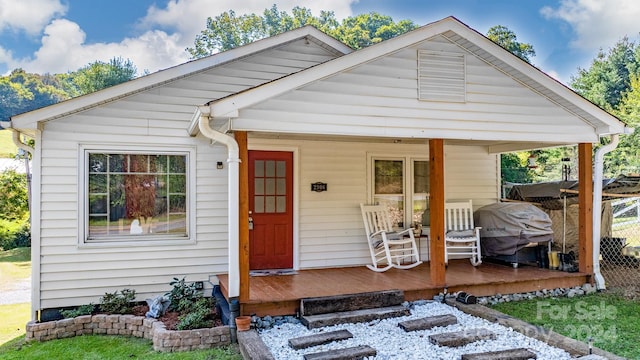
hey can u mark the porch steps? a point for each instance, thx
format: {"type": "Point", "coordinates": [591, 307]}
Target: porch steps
{"type": "Point", "coordinates": [350, 302]}
{"type": "Point", "coordinates": [332, 310]}
{"type": "Point", "coordinates": [356, 316]}
{"type": "Point", "coordinates": [512, 354]}
{"type": "Point", "coordinates": [304, 342]}
{"type": "Point", "coordinates": [428, 322]}
{"type": "Point", "coordinates": [356, 352]}
{"type": "Point", "coordinates": [456, 339]}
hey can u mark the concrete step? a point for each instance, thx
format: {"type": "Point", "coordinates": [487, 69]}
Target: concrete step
{"type": "Point", "coordinates": [428, 322]}
{"type": "Point", "coordinates": [351, 353]}
{"type": "Point", "coordinates": [350, 302]}
{"type": "Point", "coordinates": [319, 339]}
{"type": "Point", "coordinates": [356, 316]}
{"type": "Point", "coordinates": [456, 339]}
{"type": "Point", "coordinates": [512, 354]}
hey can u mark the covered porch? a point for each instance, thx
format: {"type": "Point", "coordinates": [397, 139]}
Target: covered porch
{"type": "Point", "coordinates": [281, 294]}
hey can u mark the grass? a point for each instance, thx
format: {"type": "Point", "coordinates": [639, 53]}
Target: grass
{"type": "Point", "coordinates": [14, 318]}
{"type": "Point", "coordinates": [610, 319]}
{"type": "Point", "coordinates": [15, 265]}
{"type": "Point", "coordinates": [7, 147]}
{"type": "Point", "coordinates": [92, 347]}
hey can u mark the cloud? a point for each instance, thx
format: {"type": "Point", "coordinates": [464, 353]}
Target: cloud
{"type": "Point", "coordinates": [30, 16]}
{"type": "Point", "coordinates": [165, 34]}
{"type": "Point", "coordinates": [597, 24]}
{"type": "Point", "coordinates": [64, 49]}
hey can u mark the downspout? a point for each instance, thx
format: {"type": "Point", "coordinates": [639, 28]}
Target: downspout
{"type": "Point", "coordinates": [597, 203]}
{"type": "Point", "coordinates": [234, 208]}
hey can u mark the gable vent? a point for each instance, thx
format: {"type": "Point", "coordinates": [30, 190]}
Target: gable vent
{"type": "Point", "coordinates": [441, 76]}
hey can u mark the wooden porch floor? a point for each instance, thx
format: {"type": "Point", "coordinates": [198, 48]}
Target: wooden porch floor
{"type": "Point", "coordinates": [281, 294]}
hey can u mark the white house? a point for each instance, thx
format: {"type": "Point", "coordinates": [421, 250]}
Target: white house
{"type": "Point", "coordinates": [211, 167]}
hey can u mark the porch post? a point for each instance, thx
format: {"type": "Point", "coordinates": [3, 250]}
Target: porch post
{"type": "Point", "coordinates": [436, 205]}
{"type": "Point", "coordinates": [585, 207]}
{"type": "Point", "coordinates": [243, 216]}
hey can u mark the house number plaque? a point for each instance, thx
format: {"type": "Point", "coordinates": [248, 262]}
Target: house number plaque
{"type": "Point", "coordinates": [318, 186]}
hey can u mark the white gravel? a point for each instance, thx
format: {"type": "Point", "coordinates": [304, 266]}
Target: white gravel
{"type": "Point", "coordinates": [18, 292]}
{"type": "Point", "coordinates": [391, 342]}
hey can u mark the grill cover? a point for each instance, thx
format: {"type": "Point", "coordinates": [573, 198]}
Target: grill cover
{"type": "Point", "coordinates": [508, 227]}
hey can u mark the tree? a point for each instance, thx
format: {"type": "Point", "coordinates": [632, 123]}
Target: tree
{"type": "Point", "coordinates": [21, 92]}
{"type": "Point", "coordinates": [227, 30]}
{"type": "Point", "coordinates": [608, 77]}
{"type": "Point", "coordinates": [506, 38]}
{"type": "Point", "coordinates": [97, 76]}
{"type": "Point", "coordinates": [626, 157]}
{"type": "Point", "coordinates": [14, 203]}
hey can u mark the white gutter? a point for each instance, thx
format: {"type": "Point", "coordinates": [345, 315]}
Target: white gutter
{"type": "Point", "coordinates": [234, 193]}
{"type": "Point", "coordinates": [20, 144]}
{"type": "Point", "coordinates": [597, 203]}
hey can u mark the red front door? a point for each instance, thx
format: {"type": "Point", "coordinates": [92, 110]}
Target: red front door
{"type": "Point", "coordinates": [271, 207]}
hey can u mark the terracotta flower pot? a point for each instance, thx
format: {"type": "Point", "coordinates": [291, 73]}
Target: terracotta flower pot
{"type": "Point", "coordinates": [243, 323]}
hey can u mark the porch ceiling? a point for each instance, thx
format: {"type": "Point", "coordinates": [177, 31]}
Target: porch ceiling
{"type": "Point", "coordinates": [493, 147]}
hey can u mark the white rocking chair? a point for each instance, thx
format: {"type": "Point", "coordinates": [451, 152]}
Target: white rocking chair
{"type": "Point", "coordinates": [461, 239]}
{"type": "Point", "coordinates": [388, 248]}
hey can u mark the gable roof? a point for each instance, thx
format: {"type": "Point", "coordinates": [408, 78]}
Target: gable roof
{"type": "Point", "coordinates": [465, 38]}
{"type": "Point", "coordinates": [30, 119]}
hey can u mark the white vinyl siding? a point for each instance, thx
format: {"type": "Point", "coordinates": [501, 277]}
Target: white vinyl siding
{"type": "Point", "coordinates": [331, 232]}
{"type": "Point", "coordinates": [379, 98]}
{"type": "Point", "coordinates": [156, 118]}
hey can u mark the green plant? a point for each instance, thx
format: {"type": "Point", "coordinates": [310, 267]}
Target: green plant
{"type": "Point", "coordinates": [79, 311]}
{"type": "Point", "coordinates": [182, 295]}
{"type": "Point", "coordinates": [118, 302]}
{"type": "Point", "coordinates": [197, 317]}
{"type": "Point", "coordinates": [14, 234]}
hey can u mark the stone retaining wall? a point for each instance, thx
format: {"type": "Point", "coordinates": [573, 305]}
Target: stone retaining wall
{"type": "Point", "coordinates": [129, 325]}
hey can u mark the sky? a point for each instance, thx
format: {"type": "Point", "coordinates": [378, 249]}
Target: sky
{"type": "Point", "coordinates": [58, 36]}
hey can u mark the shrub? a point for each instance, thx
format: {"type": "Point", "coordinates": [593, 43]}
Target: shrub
{"type": "Point", "coordinates": [198, 316]}
{"type": "Point", "coordinates": [79, 311]}
{"type": "Point", "coordinates": [14, 234]}
{"type": "Point", "coordinates": [14, 201]}
{"type": "Point", "coordinates": [118, 302]}
{"type": "Point", "coordinates": [182, 295]}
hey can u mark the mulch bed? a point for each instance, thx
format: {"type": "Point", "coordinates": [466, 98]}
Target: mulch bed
{"type": "Point", "coordinates": [170, 318]}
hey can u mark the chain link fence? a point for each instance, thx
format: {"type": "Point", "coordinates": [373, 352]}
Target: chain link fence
{"type": "Point", "coordinates": [620, 253]}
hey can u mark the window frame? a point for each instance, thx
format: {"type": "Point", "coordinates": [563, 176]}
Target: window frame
{"type": "Point", "coordinates": [408, 162]}
{"type": "Point", "coordinates": [134, 240]}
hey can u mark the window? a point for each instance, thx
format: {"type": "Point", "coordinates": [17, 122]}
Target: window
{"type": "Point", "coordinates": [400, 181]}
{"type": "Point", "coordinates": [136, 195]}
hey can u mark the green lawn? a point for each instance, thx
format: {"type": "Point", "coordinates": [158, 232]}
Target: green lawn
{"type": "Point", "coordinates": [15, 265]}
{"type": "Point", "coordinates": [7, 147]}
{"type": "Point", "coordinates": [14, 318]}
{"type": "Point", "coordinates": [611, 320]}
{"type": "Point", "coordinates": [93, 347]}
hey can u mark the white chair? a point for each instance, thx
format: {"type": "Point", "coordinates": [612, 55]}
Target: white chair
{"type": "Point", "coordinates": [462, 239]}
{"type": "Point", "coordinates": [388, 248]}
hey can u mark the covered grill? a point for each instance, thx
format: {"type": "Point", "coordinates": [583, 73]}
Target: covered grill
{"type": "Point", "coordinates": [509, 227]}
